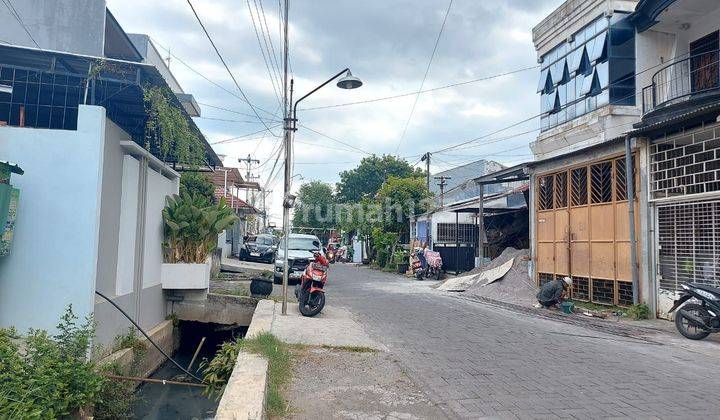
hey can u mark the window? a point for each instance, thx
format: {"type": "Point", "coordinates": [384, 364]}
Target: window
{"type": "Point", "coordinates": [561, 190]}
{"type": "Point", "coordinates": [467, 233]}
{"type": "Point", "coordinates": [601, 182]}
{"type": "Point", "coordinates": [599, 48]}
{"type": "Point", "coordinates": [578, 186]}
{"type": "Point", "coordinates": [589, 66]}
{"type": "Point", "coordinates": [545, 83]}
{"type": "Point", "coordinates": [545, 198]}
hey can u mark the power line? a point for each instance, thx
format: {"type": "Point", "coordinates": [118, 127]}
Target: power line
{"type": "Point", "coordinates": [262, 50]}
{"type": "Point", "coordinates": [272, 46]}
{"type": "Point", "coordinates": [403, 95]}
{"type": "Point", "coordinates": [232, 76]}
{"type": "Point", "coordinates": [16, 15]}
{"type": "Point", "coordinates": [238, 138]}
{"type": "Point", "coordinates": [427, 70]}
{"type": "Point", "coordinates": [635, 74]}
{"type": "Point", "coordinates": [334, 139]}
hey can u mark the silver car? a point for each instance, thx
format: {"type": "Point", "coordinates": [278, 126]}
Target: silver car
{"type": "Point", "coordinates": [301, 249]}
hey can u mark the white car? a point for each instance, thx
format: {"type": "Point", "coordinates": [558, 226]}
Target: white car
{"type": "Point", "coordinates": [301, 250]}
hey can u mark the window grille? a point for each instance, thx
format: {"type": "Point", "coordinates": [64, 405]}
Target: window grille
{"type": "Point", "coordinates": [578, 189]}
{"type": "Point", "coordinates": [40, 99]}
{"type": "Point", "coordinates": [544, 278]}
{"type": "Point", "coordinates": [467, 233]}
{"type": "Point", "coordinates": [560, 190]}
{"type": "Point", "coordinates": [603, 291]}
{"type": "Point", "coordinates": [686, 164]}
{"type": "Point", "coordinates": [601, 182]}
{"type": "Point", "coordinates": [625, 295]}
{"type": "Point", "coordinates": [689, 244]}
{"type": "Point", "coordinates": [581, 288]}
{"type": "Point", "coordinates": [546, 192]}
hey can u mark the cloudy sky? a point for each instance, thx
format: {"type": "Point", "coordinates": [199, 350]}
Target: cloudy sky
{"type": "Point", "coordinates": [387, 43]}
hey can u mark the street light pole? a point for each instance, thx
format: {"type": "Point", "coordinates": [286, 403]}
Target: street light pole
{"type": "Point", "coordinates": [346, 82]}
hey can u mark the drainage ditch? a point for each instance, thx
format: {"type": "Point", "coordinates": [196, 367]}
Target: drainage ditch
{"type": "Point", "coordinates": [158, 401]}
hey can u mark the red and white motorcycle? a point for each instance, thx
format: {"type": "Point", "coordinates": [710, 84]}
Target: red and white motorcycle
{"type": "Point", "coordinates": [310, 293]}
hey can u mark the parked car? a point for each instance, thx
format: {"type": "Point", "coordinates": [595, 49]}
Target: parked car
{"type": "Point", "coordinates": [260, 248]}
{"type": "Point", "coordinates": [301, 249]}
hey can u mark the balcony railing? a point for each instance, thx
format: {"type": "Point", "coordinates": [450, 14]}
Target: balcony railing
{"type": "Point", "coordinates": [684, 79]}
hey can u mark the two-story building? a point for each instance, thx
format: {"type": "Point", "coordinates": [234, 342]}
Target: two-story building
{"type": "Point", "coordinates": [678, 77]}
{"type": "Point", "coordinates": [73, 116]}
{"type": "Point", "coordinates": [579, 193]}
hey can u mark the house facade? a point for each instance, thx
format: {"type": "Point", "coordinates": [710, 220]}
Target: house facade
{"type": "Point", "coordinates": [90, 216]}
{"type": "Point", "coordinates": [579, 191]}
{"type": "Point", "coordinates": [648, 97]}
{"type": "Point", "coordinates": [678, 46]}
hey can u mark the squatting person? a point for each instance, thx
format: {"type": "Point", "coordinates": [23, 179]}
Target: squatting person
{"type": "Point", "coordinates": [553, 292]}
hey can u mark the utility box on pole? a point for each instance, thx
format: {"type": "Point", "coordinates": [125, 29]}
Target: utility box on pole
{"type": "Point", "coordinates": [9, 198]}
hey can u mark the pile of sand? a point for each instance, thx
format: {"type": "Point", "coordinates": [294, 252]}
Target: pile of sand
{"type": "Point", "coordinates": [515, 286]}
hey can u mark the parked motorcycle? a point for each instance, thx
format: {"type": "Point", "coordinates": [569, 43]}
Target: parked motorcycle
{"type": "Point", "coordinates": [310, 293]}
{"type": "Point", "coordinates": [426, 264]}
{"type": "Point", "coordinates": [697, 320]}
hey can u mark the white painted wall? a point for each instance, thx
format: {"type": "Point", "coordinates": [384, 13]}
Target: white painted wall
{"type": "Point", "coordinates": [55, 251]}
{"type": "Point", "coordinates": [128, 226]}
{"type": "Point", "coordinates": [158, 187]}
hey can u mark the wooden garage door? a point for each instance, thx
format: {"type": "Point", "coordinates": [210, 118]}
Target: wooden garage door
{"type": "Point", "coordinates": [583, 230]}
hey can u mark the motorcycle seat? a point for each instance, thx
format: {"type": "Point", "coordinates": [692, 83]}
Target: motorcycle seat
{"type": "Point", "coordinates": [710, 289]}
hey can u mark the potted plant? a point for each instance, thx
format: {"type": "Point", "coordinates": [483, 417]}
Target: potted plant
{"type": "Point", "coordinates": [191, 230]}
{"type": "Point", "coordinates": [261, 286]}
{"type": "Point", "coordinates": [401, 260]}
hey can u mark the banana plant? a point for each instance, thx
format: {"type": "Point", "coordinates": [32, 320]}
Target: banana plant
{"type": "Point", "coordinates": [191, 227]}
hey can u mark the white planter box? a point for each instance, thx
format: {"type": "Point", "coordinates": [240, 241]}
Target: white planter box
{"type": "Point", "coordinates": [185, 276]}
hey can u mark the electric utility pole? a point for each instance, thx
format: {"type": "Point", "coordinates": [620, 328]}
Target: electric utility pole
{"type": "Point", "coordinates": [248, 162]}
{"type": "Point", "coordinates": [288, 163]}
{"type": "Point", "coordinates": [426, 158]}
{"type": "Point", "coordinates": [443, 182]}
{"type": "Point", "coordinates": [264, 194]}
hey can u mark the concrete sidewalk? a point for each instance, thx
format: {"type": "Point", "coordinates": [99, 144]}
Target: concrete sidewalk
{"type": "Point", "coordinates": [237, 266]}
{"type": "Point", "coordinates": [334, 326]}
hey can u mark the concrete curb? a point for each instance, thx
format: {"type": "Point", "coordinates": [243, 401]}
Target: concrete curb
{"type": "Point", "coordinates": [246, 391]}
{"type": "Point", "coordinates": [262, 319]}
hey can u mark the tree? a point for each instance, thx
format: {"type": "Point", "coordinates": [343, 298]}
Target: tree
{"type": "Point", "coordinates": [402, 198]}
{"type": "Point", "coordinates": [197, 184]}
{"type": "Point", "coordinates": [314, 206]}
{"type": "Point", "coordinates": [369, 176]}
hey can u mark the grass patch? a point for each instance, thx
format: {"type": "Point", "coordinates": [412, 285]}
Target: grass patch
{"type": "Point", "coordinates": [217, 372]}
{"type": "Point", "coordinates": [599, 308]}
{"type": "Point", "coordinates": [351, 349]}
{"type": "Point", "coordinates": [234, 292]}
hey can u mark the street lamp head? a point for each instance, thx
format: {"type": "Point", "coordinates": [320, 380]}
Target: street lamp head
{"type": "Point", "coordinates": [349, 81]}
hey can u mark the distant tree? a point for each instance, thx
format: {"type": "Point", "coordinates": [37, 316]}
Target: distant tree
{"type": "Point", "coordinates": [314, 206]}
{"type": "Point", "coordinates": [402, 198]}
{"type": "Point", "coordinates": [196, 183]}
{"type": "Point", "coordinates": [365, 180]}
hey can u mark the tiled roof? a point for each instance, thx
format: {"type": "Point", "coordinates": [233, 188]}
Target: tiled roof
{"type": "Point", "coordinates": [233, 201]}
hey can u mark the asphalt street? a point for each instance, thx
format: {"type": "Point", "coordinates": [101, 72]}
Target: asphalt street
{"type": "Point", "coordinates": [475, 360]}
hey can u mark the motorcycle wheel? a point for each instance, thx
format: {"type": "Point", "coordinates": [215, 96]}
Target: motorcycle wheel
{"type": "Point", "coordinates": [420, 274]}
{"type": "Point", "coordinates": [685, 327]}
{"type": "Point", "coordinates": [311, 310]}
{"type": "Point", "coordinates": [438, 274]}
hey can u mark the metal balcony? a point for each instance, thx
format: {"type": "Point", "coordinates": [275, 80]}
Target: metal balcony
{"type": "Point", "coordinates": [694, 77]}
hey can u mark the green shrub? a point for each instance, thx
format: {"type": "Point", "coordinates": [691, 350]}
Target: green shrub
{"type": "Point", "coordinates": [48, 376]}
{"type": "Point", "coordinates": [217, 372]}
{"type": "Point", "coordinates": [192, 227]}
{"type": "Point", "coordinates": [639, 311]}
{"type": "Point", "coordinates": [116, 397]}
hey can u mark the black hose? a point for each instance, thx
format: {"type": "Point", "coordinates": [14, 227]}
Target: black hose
{"type": "Point", "coordinates": [148, 337]}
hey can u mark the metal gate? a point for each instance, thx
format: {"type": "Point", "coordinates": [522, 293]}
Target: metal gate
{"type": "Point", "coordinates": [688, 244]}
{"type": "Point", "coordinates": [583, 231]}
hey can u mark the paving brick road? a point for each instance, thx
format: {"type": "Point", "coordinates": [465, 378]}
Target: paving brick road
{"type": "Point", "coordinates": [479, 361]}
